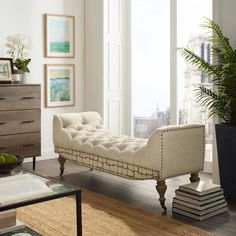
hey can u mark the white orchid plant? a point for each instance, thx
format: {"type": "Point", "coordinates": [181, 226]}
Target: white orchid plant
{"type": "Point", "coordinates": [17, 48]}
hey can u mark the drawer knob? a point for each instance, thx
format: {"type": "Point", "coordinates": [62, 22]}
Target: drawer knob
{"type": "Point", "coordinates": [2, 123]}
{"type": "Point", "coordinates": [2, 98]}
{"type": "Point", "coordinates": [26, 98]}
{"type": "Point", "coordinates": [28, 145]}
{"type": "Point", "coordinates": [27, 121]}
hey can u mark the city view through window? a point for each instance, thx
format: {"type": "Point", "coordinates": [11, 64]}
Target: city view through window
{"type": "Point", "coordinates": [150, 26]}
{"type": "Point", "coordinates": [150, 65]}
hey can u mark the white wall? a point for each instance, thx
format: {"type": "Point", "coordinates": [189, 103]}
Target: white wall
{"type": "Point", "coordinates": [224, 15]}
{"type": "Point", "coordinates": [93, 89]}
{"type": "Point", "coordinates": [26, 17]}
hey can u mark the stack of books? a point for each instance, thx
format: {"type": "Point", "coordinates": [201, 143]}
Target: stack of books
{"type": "Point", "coordinates": [199, 200]}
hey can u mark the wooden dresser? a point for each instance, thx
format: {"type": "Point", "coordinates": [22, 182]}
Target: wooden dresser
{"type": "Point", "coordinates": [20, 120]}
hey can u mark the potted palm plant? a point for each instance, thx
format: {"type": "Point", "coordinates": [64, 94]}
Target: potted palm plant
{"type": "Point", "coordinates": [220, 100]}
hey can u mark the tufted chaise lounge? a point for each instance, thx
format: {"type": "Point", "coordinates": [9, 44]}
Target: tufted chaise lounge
{"type": "Point", "coordinates": [170, 151]}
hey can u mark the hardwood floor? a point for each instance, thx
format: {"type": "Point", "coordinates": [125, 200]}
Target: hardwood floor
{"type": "Point", "coordinates": [140, 194]}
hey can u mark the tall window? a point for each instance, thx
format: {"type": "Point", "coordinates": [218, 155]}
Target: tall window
{"type": "Point", "coordinates": [150, 23]}
{"type": "Point", "coordinates": [150, 62]}
{"type": "Point", "coordinates": [190, 14]}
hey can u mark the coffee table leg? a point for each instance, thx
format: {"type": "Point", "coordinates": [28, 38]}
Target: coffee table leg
{"type": "Point", "coordinates": [78, 214]}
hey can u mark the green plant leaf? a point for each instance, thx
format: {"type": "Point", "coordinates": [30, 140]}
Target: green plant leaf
{"type": "Point", "coordinates": [222, 69]}
{"type": "Point", "coordinates": [22, 64]}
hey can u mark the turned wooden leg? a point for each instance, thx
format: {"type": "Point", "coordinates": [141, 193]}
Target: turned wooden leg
{"type": "Point", "coordinates": [161, 189]}
{"type": "Point", "coordinates": [62, 161]}
{"type": "Point", "coordinates": [194, 177]}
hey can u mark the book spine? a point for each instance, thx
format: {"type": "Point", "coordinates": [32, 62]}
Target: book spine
{"type": "Point", "coordinates": [198, 212]}
{"type": "Point", "coordinates": [175, 210]}
{"type": "Point", "coordinates": [199, 198]}
{"type": "Point", "coordinates": [199, 193]}
{"type": "Point", "coordinates": [197, 202]}
{"type": "Point", "coordinates": [201, 208]}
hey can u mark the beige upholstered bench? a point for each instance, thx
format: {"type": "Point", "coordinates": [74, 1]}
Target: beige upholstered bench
{"type": "Point", "coordinates": [170, 151]}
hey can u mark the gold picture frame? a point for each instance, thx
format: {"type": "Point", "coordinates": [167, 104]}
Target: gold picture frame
{"type": "Point", "coordinates": [59, 85]}
{"type": "Point", "coordinates": [59, 36]}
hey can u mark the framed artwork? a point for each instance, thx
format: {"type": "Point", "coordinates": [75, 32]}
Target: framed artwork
{"type": "Point", "coordinates": [59, 35]}
{"type": "Point", "coordinates": [6, 70]}
{"type": "Point", "coordinates": [59, 85]}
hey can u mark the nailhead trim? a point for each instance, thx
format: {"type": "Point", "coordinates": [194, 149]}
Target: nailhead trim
{"type": "Point", "coordinates": [183, 173]}
{"type": "Point", "coordinates": [204, 146]}
{"type": "Point", "coordinates": [182, 128]}
{"type": "Point", "coordinates": [162, 150]}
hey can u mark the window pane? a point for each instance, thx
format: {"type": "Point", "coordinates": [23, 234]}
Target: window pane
{"type": "Point", "coordinates": [191, 14]}
{"type": "Point", "coordinates": [150, 27]}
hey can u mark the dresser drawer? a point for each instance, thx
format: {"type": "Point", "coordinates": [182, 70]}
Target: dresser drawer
{"type": "Point", "coordinates": [15, 122]}
{"type": "Point", "coordinates": [19, 97]}
{"type": "Point", "coordinates": [27, 145]}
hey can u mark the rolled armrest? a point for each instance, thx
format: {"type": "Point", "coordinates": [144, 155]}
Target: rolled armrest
{"type": "Point", "coordinates": [177, 150]}
{"type": "Point", "coordinates": [64, 125]}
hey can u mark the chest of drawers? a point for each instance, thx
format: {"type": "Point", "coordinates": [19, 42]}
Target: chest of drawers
{"type": "Point", "coordinates": [20, 120]}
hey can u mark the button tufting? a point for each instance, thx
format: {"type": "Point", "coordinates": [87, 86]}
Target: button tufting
{"type": "Point", "coordinates": [101, 142]}
{"type": "Point", "coordinates": [83, 140]}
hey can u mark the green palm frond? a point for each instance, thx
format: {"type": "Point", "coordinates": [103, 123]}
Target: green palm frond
{"type": "Point", "coordinates": [218, 39]}
{"type": "Point", "coordinates": [215, 103]}
{"type": "Point", "coordinates": [222, 69]}
{"type": "Point", "coordinates": [197, 61]}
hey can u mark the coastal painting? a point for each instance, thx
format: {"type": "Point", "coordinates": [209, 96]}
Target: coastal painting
{"type": "Point", "coordinates": [59, 32]}
{"type": "Point", "coordinates": [59, 85]}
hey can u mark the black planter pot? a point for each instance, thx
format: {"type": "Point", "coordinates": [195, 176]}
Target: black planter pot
{"type": "Point", "coordinates": [226, 147]}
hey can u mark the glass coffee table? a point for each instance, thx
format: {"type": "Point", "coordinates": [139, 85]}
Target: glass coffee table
{"type": "Point", "coordinates": [57, 190]}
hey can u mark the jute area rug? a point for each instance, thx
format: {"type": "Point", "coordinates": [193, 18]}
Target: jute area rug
{"type": "Point", "coordinates": [101, 216]}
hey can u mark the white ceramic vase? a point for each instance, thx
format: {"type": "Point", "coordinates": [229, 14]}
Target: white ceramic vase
{"type": "Point", "coordinates": [25, 78]}
{"type": "Point", "coordinates": [17, 76]}
{"type": "Point", "coordinates": [20, 77]}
